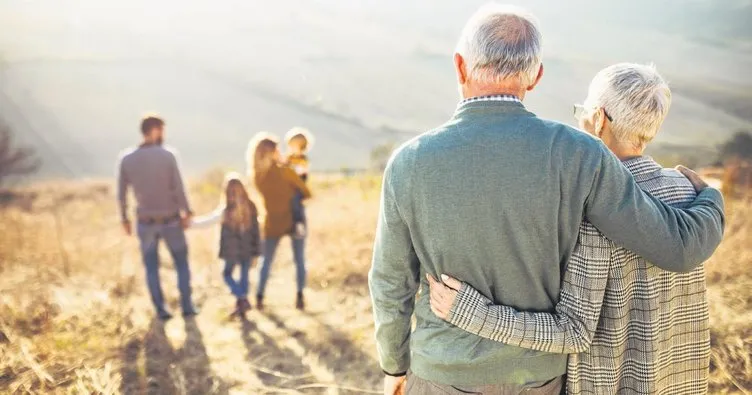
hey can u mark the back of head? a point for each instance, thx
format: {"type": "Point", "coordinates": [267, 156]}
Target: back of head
{"type": "Point", "coordinates": [150, 122]}
{"type": "Point", "coordinates": [260, 155]}
{"type": "Point", "coordinates": [300, 136]}
{"type": "Point", "coordinates": [635, 96]}
{"type": "Point", "coordinates": [238, 206]}
{"type": "Point", "coordinates": [500, 42]}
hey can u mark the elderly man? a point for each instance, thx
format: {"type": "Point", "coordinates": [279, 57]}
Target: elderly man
{"type": "Point", "coordinates": [495, 197]}
{"type": "Point", "coordinates": [637, 328]}
{"type": "Point", "coordinates": [162, 212]}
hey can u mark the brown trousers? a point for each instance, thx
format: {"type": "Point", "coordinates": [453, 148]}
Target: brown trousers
{"type": "Point", "coordinates": [417, 386]}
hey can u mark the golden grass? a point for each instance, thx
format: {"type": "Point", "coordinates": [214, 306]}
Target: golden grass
{"type": "Point", "coordinates": [75, 316]}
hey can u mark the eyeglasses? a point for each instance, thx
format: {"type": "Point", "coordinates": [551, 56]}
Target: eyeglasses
{"type": "Point", "coordinates": [580, 110]}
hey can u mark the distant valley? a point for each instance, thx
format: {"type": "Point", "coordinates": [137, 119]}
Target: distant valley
{"type": "Point", "coordinates": [75, 76]}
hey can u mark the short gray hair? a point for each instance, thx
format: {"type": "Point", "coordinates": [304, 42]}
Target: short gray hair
{"type": "Point", "coordinates": [635, 96]}
{"type": "Point", "coordinates": [501, 42]}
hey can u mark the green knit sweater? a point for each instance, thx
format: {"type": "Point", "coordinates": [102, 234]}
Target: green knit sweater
{"type": "Point", "coordinates": [495, 197]}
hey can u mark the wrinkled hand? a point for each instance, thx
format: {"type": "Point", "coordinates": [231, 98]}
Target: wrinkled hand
{"type": "Point", "coordinates": [443, 294]}
{"type": "Point", "coordinates": [693, 177]}
{"type": "Point", "coordinates": [127, 228]}
{"type": "Point", "coordinates": [394, 385]}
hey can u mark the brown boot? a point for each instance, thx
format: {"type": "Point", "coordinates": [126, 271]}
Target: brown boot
{"type": "Point", "coordinates": [300, 302]}
{"type": "Point", "coordinates": [236, 311]}
{"type": "Point", "coordinates": [260, 302]}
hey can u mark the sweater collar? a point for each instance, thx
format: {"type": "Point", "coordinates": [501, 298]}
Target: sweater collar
{"type": "Point", "coordinates": [494, 103]}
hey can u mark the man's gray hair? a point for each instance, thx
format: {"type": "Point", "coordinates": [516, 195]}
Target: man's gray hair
{"type": "Point", "coordinates": [501, 42]}
{"type": "Point", "coordinates": [635, 96]}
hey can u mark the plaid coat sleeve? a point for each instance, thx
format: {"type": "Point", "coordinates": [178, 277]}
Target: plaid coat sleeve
{"type": "Point", "coordinates": [570, 328]}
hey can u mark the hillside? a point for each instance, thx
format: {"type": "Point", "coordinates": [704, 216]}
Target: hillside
{"type": "Point", "coordinates": [75, 76]}
{"type": "Point", "coordinates": [75, 317]}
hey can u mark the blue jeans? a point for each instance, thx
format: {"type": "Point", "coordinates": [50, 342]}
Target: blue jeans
{"type": "Point", "coordinates": [298, 251]}
{"type": "Point", "coordinates": [238, 288]}
{"type": "Point", "coordinates": [149, 235]}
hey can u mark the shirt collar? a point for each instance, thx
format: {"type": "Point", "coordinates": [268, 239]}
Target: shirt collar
{"type": "Point", "coordinates": [641, 165]}
{"type": "Point", "coordinates": [503, 98]}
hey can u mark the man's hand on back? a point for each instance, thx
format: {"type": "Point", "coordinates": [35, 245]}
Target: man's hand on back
{"type": "Point", "coordinates": [186, 221]}
{"type": "Point", "coordinates": [394, 385]}
{"type": "Point", "coordinates": [127, 228]}
{"type": "Point", "coordinates": [693, 177]}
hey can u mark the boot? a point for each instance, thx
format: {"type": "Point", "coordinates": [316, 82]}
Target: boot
{"type": "Point", "coordinates": [300, 302]}
{"type": "Point", "coordinates": [238, 308]}
{"type": "Point", "coordinates": [245, 305]}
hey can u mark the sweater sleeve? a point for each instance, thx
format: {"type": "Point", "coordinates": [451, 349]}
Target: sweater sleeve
{"type": "Point", "coordinates": [570, 328]}
{"type": "Point", "coordinates": [393, 282]}
{"type": "Point", "coordinates": [205, 221]}
{"type": "Point", "coordinates": [122, 191]}
{"type": "Point", "coordinates": [673, 239]}
{"type": "Point", "coordinates": [290, 175]}
{"type": "Point", "coordinates": [179, 187]}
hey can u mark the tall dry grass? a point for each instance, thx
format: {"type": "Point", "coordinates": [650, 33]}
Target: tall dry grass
{"type": "Point", "coordinates": [729, 279]}
{"type": "Point", "coordinates": [75, 316]}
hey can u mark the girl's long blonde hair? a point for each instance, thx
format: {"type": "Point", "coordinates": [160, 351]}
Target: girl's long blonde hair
{"type": "Point", "coordinates": [260, 155]}
{"type": "Point", "coordinates": [239, 209]}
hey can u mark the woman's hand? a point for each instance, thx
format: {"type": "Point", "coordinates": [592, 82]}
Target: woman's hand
{"type": "Point", "coordinates": [443, 294]}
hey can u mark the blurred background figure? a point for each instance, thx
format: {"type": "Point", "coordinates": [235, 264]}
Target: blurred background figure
{"type": "Point", "coordinates": [239, 238]}
{"type": "Point", "coordinates": [277, 184]}
{"type": "Point", "coordinates": [299, 142]}
{"type": "Point", "coordinates": [162, 210]}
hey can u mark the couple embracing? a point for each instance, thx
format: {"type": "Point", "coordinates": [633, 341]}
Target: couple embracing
{"type": "Point", "coordinates": [163, 213]}
{"type": "Point", "coordinates": [548, 258]}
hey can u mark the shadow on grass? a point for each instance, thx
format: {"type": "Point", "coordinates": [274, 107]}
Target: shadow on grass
{"type": "Point", "coordinates": [273, 365]}
{"type": "Point", "coordinates": [344, 359]}
{"type": "Point", "coordinates": [165, 370]}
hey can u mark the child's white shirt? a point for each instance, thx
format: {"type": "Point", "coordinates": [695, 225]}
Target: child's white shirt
{"type": "Point", "coordinates": [205, 221]}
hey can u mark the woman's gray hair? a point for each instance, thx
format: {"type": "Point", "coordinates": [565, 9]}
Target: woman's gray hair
{"type": "Point", "coordinates": [501, 42]}
{"type": "Point", "coordinates": [635, 96]}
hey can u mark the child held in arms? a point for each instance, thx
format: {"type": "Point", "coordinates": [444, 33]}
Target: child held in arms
{"type": "Point", "coordinates": [299, 142]}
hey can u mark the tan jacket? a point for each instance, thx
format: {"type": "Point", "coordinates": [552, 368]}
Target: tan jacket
{"type": "Point", "coordinates": [277, 188]}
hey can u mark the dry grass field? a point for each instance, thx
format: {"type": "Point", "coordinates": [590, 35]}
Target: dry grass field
{"type": "Point", "coordinates": [75, 316]}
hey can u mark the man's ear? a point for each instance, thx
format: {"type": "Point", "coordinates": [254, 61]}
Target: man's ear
{"type": "Point", "coordinates": [460, 67]}
{"type": "Point", "coordinates": [537, 78]}
{"type": "Point", "coordinates": [599, 122]}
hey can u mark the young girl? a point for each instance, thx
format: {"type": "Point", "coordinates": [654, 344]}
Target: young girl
{"type": "Point", "coordinates": [239, 243]}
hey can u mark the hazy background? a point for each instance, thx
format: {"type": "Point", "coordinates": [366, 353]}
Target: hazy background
{"type": "Point", "coordinates": [76, 76]}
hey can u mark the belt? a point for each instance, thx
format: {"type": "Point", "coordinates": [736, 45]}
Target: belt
{"type": "Point", "coordinates": [154, 220]}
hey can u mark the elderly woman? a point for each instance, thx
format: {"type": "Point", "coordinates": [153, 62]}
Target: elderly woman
{"type": "Point", "coordinates": [277, 185]}
{"type": "Point", "coordinates": [629, 326]}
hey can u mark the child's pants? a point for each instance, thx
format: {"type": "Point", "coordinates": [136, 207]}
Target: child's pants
{"type": "Point", "coordinates": [238, 288]}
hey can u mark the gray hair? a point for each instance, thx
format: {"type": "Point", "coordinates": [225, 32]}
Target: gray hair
{"type": "Point", "coordinates": [501, 42]}
{"type": "Point", "coordinates": [635, 96]}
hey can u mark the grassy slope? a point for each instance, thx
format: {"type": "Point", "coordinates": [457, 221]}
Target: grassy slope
{"type": "Point", "coordinates": [90, 329]}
